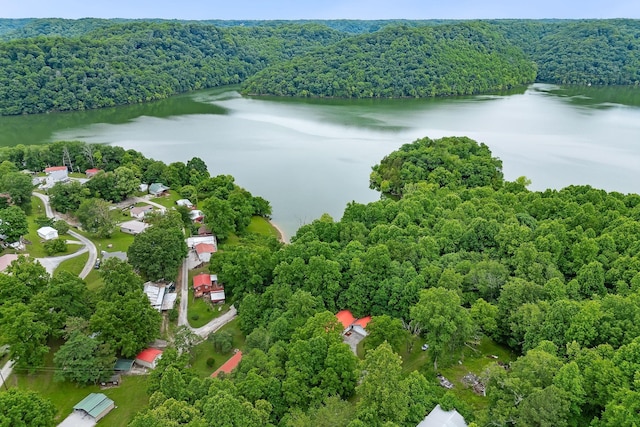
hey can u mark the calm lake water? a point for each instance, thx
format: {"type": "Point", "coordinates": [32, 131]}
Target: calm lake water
{"type": "Point", "coordinates": [308, 157]}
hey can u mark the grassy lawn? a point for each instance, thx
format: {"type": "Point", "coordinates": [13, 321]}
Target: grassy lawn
{"type": "Point", "coordinates": [119, 241]}
{"type": "Point", "coordinates": [130, 397]}
{"type": "Point", "coordinates": [471, 361]}
{"type": "Point", "coordinates": [74, 265]}
{"type": "Point", "coordinates": [260, 225]}
{"type": "Point", "coordinates": [200, 307]}
{"type": "Point", "coordinates": [205, 350]}
{"type": "Point", "coordinates": [168, 201]}
{"type": "Point", "coordinates": [93, 280]}
{"type": "Point", "coordinates": [36, 248]}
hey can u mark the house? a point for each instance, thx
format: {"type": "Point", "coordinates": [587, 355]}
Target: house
{"type": "Point", "coordinates": [47, 233]}
{"type": "Point", "coordinates": [157, 189]}
{"type": "Point", "coordinates": [90, 173]}
{"type": "Point", "coordinates": [162, 296]}
{"type": "Point", "coordinates": [55, 174]}
{"type": "Point", "coordinates": [96, 405]}
{"type": "Point", "coordinates": [155, 294]}
{"type": "Point", "coordinates": [441, 418]}
{"type": "Point", "coordinates": [202, 284]}
{"type": "Point", "coordinates": [140, 211]}
{"type": "Point", "coordinates": [193, 241]}
{"type": "Point", "coordinates": [354, 329]}
{"type": "Point", "coordinates": [229, 365]}
{"type": "Point", "coordinates": [196, 215]}
{"type": "Point", "coordinates": [217, 291]}
{"type": "Point", "coordinates": [133, 227]}
{"type": "Point", "coordinates": [184, 202]}
{"type": "Point", "coordinates": [204, 251]}
{"type": "Point", "coordinates": [6, 260]}
{"type": "Point", "coordinates": [149, 357]}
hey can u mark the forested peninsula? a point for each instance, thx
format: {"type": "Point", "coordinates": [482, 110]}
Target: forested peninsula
{"type": "Point", "coordinates": [49, 65]}
{"type": "Point", "coordinates": [397, 62]}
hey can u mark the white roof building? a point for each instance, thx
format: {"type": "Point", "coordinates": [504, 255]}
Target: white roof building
{"type": "Point", "coordinates": [193, 241]}
{"type": "Point", "coordinates": [133, 227]}
{"type": "Point", "coordinates": [184, 202]}
{"type": "Point", "coordinates": [47, 233]}
{"type": "Point", "coordinates": [441, 418]}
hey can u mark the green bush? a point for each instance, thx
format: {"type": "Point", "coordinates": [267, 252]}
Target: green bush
{"type": "Point", "coordinates": [55, 246]}
{"type": "Point", "coordinates": [173, 315]}
{"type": "Point", "coordinates": [210, 362]}
{"type": "Point", "coordinates": [61, 227]}
{"type": "Point", "coordinates": [195, 316]}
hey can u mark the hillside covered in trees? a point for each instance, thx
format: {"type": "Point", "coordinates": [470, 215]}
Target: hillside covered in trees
{"type": "Point", "coordinates": [63, 65]}
{"type": "Point", "coordinates": [140, 62]}
{"type": "Point", "coordinates": [397, 62]}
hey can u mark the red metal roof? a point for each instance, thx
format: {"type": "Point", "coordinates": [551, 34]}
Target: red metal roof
{"type": "Point", "coordinates": [55, 168]}
{"type": "Point", "coordinates": [201, 279]}
{"type": "Point", "coordinates": [149, 355]}
{"type": "Point", "coordinates": [202, 248]}
{"type": "Point", "coordinates": [229, 365]}
{"type": "Point", "coordinates": [363, 322]}
{"type": "Point", "coordinates": [94, 170]}
{"type": "Point", "coordinates": [345, 317]}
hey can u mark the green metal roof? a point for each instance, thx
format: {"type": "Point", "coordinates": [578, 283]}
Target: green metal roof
{"type": "Point", "coordinates": [123, 365]}
{"type": "Point", "coordinates": [94, 404]}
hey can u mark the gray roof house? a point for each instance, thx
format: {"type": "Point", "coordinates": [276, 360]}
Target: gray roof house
{"type": "Point", "coordinates": [157, 189]}
{"type": "Point", "coordinates": [441, 418]}
{"type": "Point", "coordinates": [133, 227]}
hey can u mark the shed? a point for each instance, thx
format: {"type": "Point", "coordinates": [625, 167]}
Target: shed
{"type": "Point", "coordinates": [96, 405]}
{"type": "Point", "coordinates": [196, 215]}
{"type": "Point", "coordinates": [184, 202]}
{"type": "Point", "coordinates": [155, 294]}
{"type": "Point", "coordinates": [441, 418]}
{"type": "Point", "coordinates": [217, 293]}
{"type": "Point", "coordinates": [229, 365]}
{"type": "Point", "coordinates": [133, 227]}
{"type": "Point", "coordinates": [123, 365]}
{"type": "Point", "coordinates": [149, 357]}
{"type": "Point", "coordinates": [47, 233]}
{"type": "Point", "coordinates": [115, 379]}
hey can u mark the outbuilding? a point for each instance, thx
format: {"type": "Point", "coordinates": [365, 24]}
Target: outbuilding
{"type": "Point", "coordinates": [47, 233]}
{"type": "Point", "coordinates": [204, 251]}
{"type": "Point", "coordinates": [96, 405]}
{"type": "Point", "coordinates": [133, 227]}
{"type": "Point", "coordinates": [441, 418]}
{"type": "Point", "coordinates": [149, 357]}
{"type": "Point", "coordinates": [157, 189]}
{"type": "Point", "coordinates": [184, 202]}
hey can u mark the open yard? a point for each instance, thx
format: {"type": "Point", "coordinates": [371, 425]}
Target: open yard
{"type": "Point", "coordinates": [205, 350]}
{"type": "Point", "coordinates": [36, 247]}
{"type": "Point", "coordinates": [260, 225]}
{"type": "Point", "coordinates": [129, 397]}
{"type": "Point", "coordinates": [74, 265]}
{"type": "Point", "coordinates": [168, 201]}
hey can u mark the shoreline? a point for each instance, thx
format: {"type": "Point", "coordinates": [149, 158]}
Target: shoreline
{"type": "Point", "coordinates": [281, 236]}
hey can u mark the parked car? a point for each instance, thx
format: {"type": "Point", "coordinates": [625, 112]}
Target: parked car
{"type": "Point", "coordinates": [425, 347]}
{"type": "Point", "coordinates": [97, 264]}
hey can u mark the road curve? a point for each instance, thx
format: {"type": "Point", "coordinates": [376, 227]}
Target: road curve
{"type": "Point", "coordinates": [93, 252]}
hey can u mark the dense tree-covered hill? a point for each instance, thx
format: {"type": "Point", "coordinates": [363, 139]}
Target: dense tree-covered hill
{"type": "Point", "coordinates": [590, 53]}
{"type": "Point", "coordinates": [140, 62]}
{"type": "Point", "coordinates": [402, 61]}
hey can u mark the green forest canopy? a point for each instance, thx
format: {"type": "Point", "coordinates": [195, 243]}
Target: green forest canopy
{"type": "Point", "coordinates": [60, 65]}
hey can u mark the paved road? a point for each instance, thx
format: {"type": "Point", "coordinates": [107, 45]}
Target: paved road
{"type": "Point", "coordinates": [53, 262]}
{"type": "Point", "coordinates": [184, 295]}
{"type": "Point", "coordinates": [216, 323]}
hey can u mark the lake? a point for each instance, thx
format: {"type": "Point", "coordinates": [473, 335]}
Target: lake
{"type": "Point", "coordinates": [308, 157]}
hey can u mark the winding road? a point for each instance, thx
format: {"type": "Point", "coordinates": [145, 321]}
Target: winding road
{"type": "Point", "coordinates": [88, 244]}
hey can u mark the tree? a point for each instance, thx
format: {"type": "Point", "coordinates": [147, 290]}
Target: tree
{"type": "Point", "coordinates": [184, 339]}
{"type": "Point", "coordinates": [84, 360]}
{"type": "Point", "coordinates": [30, 272]}
{"type": "Point", "coordinates": [55, 246]}
{"type": "Point", "coordinates": [67, 197]}
{"type": "Point", "coordinates": [26, 337]}
{"type": "Point", "coordinates": [94, 216]}
{"type": "Point", "coordinates": [126, 182]}
{"type": "Point", "coordinates": [126, 323]}
{"type": "Point", "coordinates": [19, 187]}
{"type": "Point", "coordinates": [219, 216]}
{"type": "Point", "coordinates": [118, 279]}
{"type": "Point", "coordinates": [447, 324]}
{"type": "Point", "coordinates": [385, 328]}
{"type": "Point", "coordinates": [222, 341]}
{"type": "Point", "coordinates": [157, 252]}
{"type": "Point", "coordinates": [25, 408]}
{"type": "Point", "coordinates": [383, 395]}
{"type": "Point", "coordinates": [61, 226]}
{"type": "Point", "coordinates": [13, 224]}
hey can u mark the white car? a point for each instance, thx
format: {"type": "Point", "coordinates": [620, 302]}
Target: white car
{"type": "Point", "coordinates": [425, 347]}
